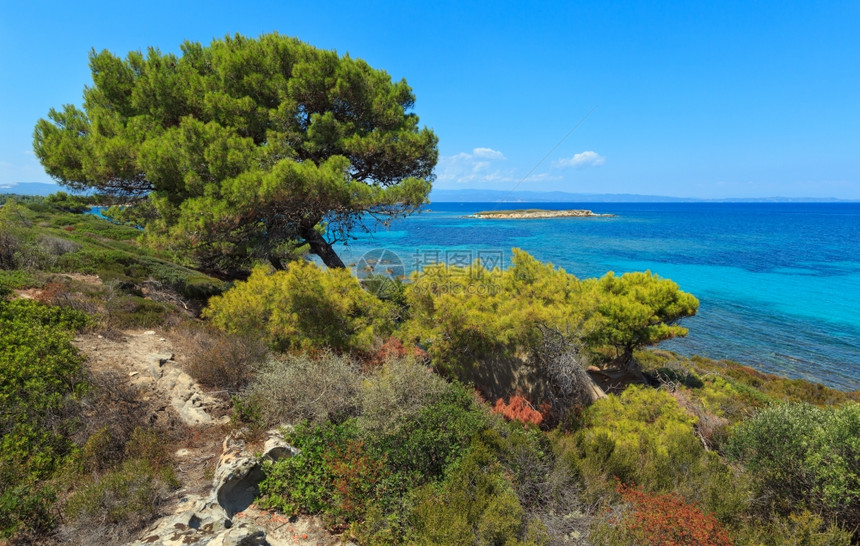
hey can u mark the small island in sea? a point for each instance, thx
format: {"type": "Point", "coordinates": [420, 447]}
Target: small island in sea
{"type": "Point", "coordinates": [536, 214]}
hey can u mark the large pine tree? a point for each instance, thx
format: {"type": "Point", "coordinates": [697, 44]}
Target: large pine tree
{"type": "Point", "coordinates": [245, 150]}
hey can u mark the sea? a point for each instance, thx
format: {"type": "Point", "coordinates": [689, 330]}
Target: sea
{"type": "Point", "coordinates": [778, 283]}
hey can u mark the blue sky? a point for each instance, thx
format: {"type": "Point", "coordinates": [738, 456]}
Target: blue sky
{"type": "Point", "coordinates": [712, 100]}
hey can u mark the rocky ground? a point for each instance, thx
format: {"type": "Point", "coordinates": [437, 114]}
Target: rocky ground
{"type": "Point", "coordinates": [218, 470]}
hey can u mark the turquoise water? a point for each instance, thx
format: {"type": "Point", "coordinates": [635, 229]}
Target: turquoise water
{"type": "Point", "coordinates": [779, 283]}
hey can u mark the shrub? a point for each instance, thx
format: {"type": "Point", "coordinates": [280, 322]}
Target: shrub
{"type": "Point", "coordinates": [803, 528]}
{"type": "Point", "coordinates": [664, 520]}
{"type": "Point", "coordinates": [120, 503]}
{"type": "Point", "coordinates": [221, 361]}
{"type": "Point", "coordinates": [355, 477]}
{"type": "Point", "coordinates": [301, 387]}
{"type": "Point", "coordinates": [363, 475]}
{"type": "Point", "coordinates": [803, 456]}
{"type": "Point", "coordinates": [305, 308]}
{"type": "Point", "coordinates": [305, 481]}
{"type": "Point", "coordinates": [76, 204]}
{"type": "Point", "coordinates": [641, 436]}
{"type": "Point", "coordinates": [396, 392]}
{"type": "Point", "coordinates": [26, 505]}
{"type": "Point", "coordinates": [475, 504]}
{"type": "Point", "coordinates": [41, 380]}
{"type": "Point", "coordinates": [465, 315]}
{"type": "Point", "coordinates": [132, 311]}
{"type": "Point", "coordinates": [55, 246]}
{"type": "Point", "coordinates": [17, 279]}
{"type": "Point", "coordinates": [518, 409]}
{"type": "Point", "coordinates": [422, 446]}
{"type": "Point", "coordinates": [9, 247]}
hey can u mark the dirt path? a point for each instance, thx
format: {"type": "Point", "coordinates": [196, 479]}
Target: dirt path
{"type": "Point", "coordinates": [199, 420]}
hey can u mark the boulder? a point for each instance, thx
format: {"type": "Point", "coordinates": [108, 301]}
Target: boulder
{"type": "Point", "coordinates": [209, 521]}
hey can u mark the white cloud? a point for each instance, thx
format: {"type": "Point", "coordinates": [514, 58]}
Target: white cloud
{"type": "Point", "coordinates": [543, 177]}
{"type": "Point", "coordinates": [581, 160]}
{"type": "Point", "coordinates": [488, 153]}
{"type": "Point", "coordinates": [478, 166]}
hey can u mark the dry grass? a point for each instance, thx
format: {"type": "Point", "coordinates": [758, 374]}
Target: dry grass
{"type": "Point", "coordinates": [219, 361]}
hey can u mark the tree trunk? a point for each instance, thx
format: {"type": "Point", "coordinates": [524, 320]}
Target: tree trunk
{"type": "Point", "coordinates": [323, 249]}
{"type": "Point", "coordinates": [277, 263]}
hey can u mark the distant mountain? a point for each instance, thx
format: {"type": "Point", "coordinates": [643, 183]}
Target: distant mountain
{"type": "Point", "coordinates": [492, 196]}
{"type": "Point", "coordinates": [31, 188]}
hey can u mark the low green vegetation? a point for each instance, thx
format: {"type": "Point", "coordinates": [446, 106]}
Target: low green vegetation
{"type": "Point", "coordinates": [304, 308]}
{"type": "Point", "coordinates": [454, 408]}
{"type": "Point", "coordinates": [76, 447]}
{"type": "Point", "coordinates": [42, 380]}
{"type": "Point", "coordinates": [465, 315]}
{"type": "Point", "coordinates": [803, 457]}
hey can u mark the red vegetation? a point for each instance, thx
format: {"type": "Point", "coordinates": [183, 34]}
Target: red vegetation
{"type": "Point", "coordinates": [668, 520]}
{"type": "Point", "coordinates": [519, 409]}
{"type": "Point", "coordinates": [355, 475]}
{"type": "Point", "coordinates": [393, 348]}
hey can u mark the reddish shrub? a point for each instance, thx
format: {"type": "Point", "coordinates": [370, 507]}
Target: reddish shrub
{"type": "Point", "coordinates": [53, 293]}
{"type": "Point", "coordinates": [668, 520]}
{"type": "Point", "coordinates": [355, 476]}
{"type": "Point", "coordinates": [392, 349]}
{"type": "Point", "coordinates": [518, 408]}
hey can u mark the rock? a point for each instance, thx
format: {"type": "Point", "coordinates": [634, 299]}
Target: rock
{"type": "Point", "coordinates": [155, 361]}
{"type": "Point", "coordinates": [277, 448]}
{"type": "Point", "coordinates": [236, 477]}
{"type": "Point", "coordinates": [209, 521]}
{"type": "Point", "coordinates": [202, 525]}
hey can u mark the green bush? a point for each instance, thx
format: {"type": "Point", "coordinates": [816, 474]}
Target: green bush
{"type": "Point", "coordinates": [802, 529]}
{"type": "Point", "coordinates": [75, 204]}
{"type": "Point", "coordinates": [361, 475]}
{"type": "Point", "coordinates": [26, 504]}
{"type": "Point", "coordinates": [641, 436]}
{"type": "Point", "coordinates": [800, 456]}
{"type": "Point", "coordinates": [305, 308]}
{"type": "Point", "coordinates": [476, 504]}
{"type": "Point", "coordinates": [305, 481]}
{"type": "Point", "coordinates": [40, 380]}
{"type": "Point", "coordinates": [508, 488]}
{"type": "Point", "coordinates": [18, 279]}
{"type": "Point", "coordinates": [436, 436]}
{"type": "Point", "coordinates": [467, 315]}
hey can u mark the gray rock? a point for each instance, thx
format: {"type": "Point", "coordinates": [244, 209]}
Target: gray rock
{"type": "Point", "coordinates": [209, 521]}
{"type": "Point", "coordinates": [156, 361]}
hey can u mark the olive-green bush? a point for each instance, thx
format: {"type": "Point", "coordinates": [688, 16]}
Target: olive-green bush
{"type": "Point", "coordinates": [800, 456]}
{"type": "Point", "coordinates": [466, 315]}
{"type": "Point", "coordinates": [304, 308]}
{"type": "Point", "coordinates": [40, 380]}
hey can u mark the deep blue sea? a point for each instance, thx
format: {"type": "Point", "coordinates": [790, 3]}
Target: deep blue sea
{"type": "Point", "coordinates": [779, 283]}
